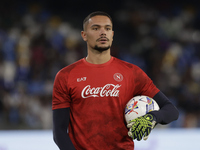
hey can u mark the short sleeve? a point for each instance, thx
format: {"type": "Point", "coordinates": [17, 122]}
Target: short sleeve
{"type": "Point", "coordinates": [143, 84]}
{"type": "Point", "coordinates": [60, 97]}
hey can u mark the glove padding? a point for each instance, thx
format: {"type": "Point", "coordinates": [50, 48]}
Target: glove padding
{"type": "Point", "coordinates": [141, 127]}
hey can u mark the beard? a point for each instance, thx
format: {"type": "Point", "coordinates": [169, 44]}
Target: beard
{"type": "Point", "coordinates": [101, 49]}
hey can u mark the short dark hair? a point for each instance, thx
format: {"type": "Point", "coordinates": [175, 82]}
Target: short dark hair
{"type": "Point", "coordinates": [96, 13]}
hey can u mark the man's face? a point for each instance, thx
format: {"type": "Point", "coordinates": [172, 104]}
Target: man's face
{"type": "Point", "coordinates": [98, 33]}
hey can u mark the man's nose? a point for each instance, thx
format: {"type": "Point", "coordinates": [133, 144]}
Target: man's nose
{"type": "Point", "coordinates": [102, 32]}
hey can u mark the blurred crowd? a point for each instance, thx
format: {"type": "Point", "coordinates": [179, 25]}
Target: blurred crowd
{"type": "Point", "coordinates": [163, 39]}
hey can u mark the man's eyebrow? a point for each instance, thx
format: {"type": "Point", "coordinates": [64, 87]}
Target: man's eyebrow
{"type": "Point", "coordinates": [97, 25]}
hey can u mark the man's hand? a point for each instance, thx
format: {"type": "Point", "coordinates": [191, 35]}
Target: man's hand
{"type": "Point", "coordinates": [141, 126]}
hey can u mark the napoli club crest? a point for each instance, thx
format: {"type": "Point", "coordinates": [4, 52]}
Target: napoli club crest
{"type": "Point", "coordinates": [118, 77]}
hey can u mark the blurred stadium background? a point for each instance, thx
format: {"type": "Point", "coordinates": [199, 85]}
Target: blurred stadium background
{"type": "Point", "coordinates": [38, 38]}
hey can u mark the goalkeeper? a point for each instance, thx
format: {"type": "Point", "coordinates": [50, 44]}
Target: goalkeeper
{"type": "Point", "coordinates": [89, 96]}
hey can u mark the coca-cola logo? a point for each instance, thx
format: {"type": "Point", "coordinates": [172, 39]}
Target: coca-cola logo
{"type": "Point", "coordinates": [105, 91]}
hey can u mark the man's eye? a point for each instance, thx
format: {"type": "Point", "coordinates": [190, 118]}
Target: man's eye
{"type": "Point", "coordinates": [95, 28]}
{"type": "Point", "coordinates": [108, 29]}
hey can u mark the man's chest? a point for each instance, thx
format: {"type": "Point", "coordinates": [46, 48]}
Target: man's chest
{"type": "Point", "coordinates": [98, 84]}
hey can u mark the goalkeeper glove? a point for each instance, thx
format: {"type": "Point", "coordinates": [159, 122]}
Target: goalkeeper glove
{"type": "Point", "coordinates": [141, 126]}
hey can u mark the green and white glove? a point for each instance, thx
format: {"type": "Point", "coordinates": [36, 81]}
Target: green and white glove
{"type": "Point", "coordinates": [141, 127]}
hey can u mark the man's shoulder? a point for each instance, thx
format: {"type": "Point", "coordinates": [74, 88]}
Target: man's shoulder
{"type": "Point", "coordinates": [124, 63]}
{"type": "Point", "coordinates": [66, 70]}
{"type": "Point", "coordinates": [73, 65]}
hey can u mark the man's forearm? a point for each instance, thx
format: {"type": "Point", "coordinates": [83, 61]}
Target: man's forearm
{"type": "Point", "coordinates": [60, 125]}
{"type": "Point", "coordinates": [168, 112]}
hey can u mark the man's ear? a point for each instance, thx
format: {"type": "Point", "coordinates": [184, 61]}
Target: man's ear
{"type": "Point", "coordinates": [84, 35]}
{"type": "Point", "coordinates": [112, 35]}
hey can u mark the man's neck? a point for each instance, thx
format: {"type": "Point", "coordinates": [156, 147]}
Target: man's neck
{"type": "Point", "coordinates": [98, 57]}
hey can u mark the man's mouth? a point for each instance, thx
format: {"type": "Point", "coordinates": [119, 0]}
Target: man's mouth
{"type": "Point", "coordinates": [103, 39]}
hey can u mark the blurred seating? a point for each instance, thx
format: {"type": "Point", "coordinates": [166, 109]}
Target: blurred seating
{"type": "Point", "coordinates": [162, 38]}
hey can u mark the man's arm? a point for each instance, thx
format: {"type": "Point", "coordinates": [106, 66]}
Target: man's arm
{"type": "Point", "coordinates": [61, 119]}
{"type": "Point", "coordinates": [168, 112]}
{"type": "Point", "coordinates": [141, 127]}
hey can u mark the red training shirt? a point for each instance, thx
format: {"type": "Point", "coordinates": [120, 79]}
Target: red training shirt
{"type": "Point", "coordinates": [97, 95]}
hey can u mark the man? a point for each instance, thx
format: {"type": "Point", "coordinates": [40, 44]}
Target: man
{"type": "Point", "coordinates": [89, 96]}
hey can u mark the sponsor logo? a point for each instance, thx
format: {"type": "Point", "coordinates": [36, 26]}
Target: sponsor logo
{"type": "Point", "coordinates": [105, 91]}
{"type": "Point", "coordinates": [118, 77]}
{"type": "Point", "coordinates": [81, 79]}
{"type": "Point", "coordinates": [130, 108]}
